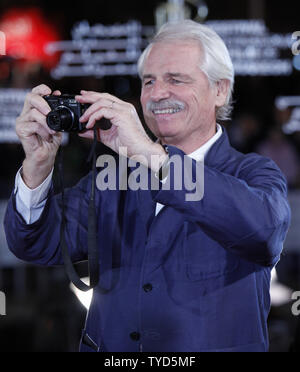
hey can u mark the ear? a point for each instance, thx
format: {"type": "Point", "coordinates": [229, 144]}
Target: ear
{"type": "Point", "coordinates": [223, 87]}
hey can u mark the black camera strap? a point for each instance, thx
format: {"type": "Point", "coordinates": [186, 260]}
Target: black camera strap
{"type": "Point", "coordinates": [93, 250]}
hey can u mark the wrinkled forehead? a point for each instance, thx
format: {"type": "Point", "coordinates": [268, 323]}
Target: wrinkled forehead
{"type": "Point", "coordinates": [173, 55]}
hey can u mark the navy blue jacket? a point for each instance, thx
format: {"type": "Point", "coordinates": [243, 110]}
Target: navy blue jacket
{"type": "Point", "coordinates": [194, 278]}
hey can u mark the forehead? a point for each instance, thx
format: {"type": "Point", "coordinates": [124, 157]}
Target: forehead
{"type": "Point", "coordinates": [173, 56]}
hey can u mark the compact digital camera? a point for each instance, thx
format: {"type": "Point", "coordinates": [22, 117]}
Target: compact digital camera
{"type": "Point", "coordinates": [65, 113]}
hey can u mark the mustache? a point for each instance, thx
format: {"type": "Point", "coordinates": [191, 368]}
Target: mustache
{"type": "Point", "coordinates": [165, 104]}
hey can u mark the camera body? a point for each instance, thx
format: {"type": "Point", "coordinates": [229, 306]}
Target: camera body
{"type": "Point", "coordinates": [65, 113]}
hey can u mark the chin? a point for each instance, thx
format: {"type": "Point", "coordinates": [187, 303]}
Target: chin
{"type": "Point", "coordinates": [163, 132]}
{"type": "Point", "coordinates": [166, 128]}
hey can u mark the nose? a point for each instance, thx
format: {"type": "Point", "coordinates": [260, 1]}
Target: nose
{"type": "Point", "coordinates": [159, 91]}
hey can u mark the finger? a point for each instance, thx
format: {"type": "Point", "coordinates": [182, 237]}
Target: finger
{"type": "Point", "coordinates": [95, 96]}
{"type": "Point", "coordinates": [33, 128]}
{"type": "Point", "coordinates": [114, 102]}
{"type": "Point", "coordinates": [36, 101]}
{"type": "Point", "coordinates": [57, 93]}
{"type": "Point", "coordinates": [41, 90]}
{"type": "Point", "coordinates": [88, 98]}
{"type": "Point", "coordinates": [35, 115]}
{"type": "Point", "coordinates": [101, 103]}
{"type": "Point", "coordinates": [102, 113]}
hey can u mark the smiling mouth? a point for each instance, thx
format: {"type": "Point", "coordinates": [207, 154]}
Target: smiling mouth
{"type": "Point", "coordinates": [166, 111]}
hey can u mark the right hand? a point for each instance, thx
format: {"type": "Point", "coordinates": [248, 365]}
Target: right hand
{"type": "Point", "coordinates": [39, 142]}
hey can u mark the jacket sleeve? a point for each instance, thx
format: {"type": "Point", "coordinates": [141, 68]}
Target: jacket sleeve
{"type": "Point", "coordinates": [39, 242]}
{"type": "Point", "coordinates": [247, 213]}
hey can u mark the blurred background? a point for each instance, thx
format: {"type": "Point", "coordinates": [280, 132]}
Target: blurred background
{"type": "Point", "coordinates": [94, 46]}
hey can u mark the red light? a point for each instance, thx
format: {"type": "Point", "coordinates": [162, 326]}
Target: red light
{"type": "Point", "coordinates": [27, 33]}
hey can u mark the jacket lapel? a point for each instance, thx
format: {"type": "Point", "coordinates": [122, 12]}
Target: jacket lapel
{"type": "Point", "coordinates": [216, 158]}
{"type": "Point", "coordinates": [219, 153]}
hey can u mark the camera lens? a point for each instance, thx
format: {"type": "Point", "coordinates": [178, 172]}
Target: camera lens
{"type": "Point", "coordinates": [60, 119]}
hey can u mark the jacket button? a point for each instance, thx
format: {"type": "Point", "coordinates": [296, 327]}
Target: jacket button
{"type": "Point", "coordinates": [135, 336]}
{"type": "Point", "coordinates": [148, 287]}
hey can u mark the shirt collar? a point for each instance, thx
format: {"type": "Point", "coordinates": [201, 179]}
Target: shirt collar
{"type": "Point", "coordinates": [201, 152]}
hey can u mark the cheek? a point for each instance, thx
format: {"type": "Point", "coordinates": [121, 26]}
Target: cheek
{"type": "Point", "coordinates": [196, 105]}
{"type": "Point", "coordinates": [144, 96]}
{"type": "Point", "coordinates": [203, 102]}
{"type": "Point", "coordinates": [144, 100]}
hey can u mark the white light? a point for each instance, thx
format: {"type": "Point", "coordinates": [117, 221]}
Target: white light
{"type": "Point", "coordinates": [284, 102]}
{"type": "Point", "coordinates": [296, 62]}
{"type": "Point", "coordinates": [203, 11]}
{"type": "Point", "coordinates": [84, 297]}
{"type": "Point", "coordinates": [280, 294]}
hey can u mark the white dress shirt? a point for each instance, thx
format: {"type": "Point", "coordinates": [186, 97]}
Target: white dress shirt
{"type": "Point", "coordinates": [198, 155]}
{"type": "Point", "coordinates": [30, 203]}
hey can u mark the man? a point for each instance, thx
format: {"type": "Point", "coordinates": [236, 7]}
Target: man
{"type": "Point", "coordinates": [176, 275]}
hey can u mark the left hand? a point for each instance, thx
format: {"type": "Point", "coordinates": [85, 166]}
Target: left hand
{"type": "Point", "coordinates": [127, 130]}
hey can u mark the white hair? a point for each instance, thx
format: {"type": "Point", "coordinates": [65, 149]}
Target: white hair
{"type": "Point", "coordinates": [216, 63]}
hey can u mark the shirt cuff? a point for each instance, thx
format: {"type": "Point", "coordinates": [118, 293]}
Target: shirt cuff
{"type": "Point", "coordinates": [31, 198]}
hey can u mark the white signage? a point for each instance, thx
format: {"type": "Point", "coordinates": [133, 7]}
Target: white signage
{"type": "Point", "coordinates": [254, 50]}
{"type": "Point", "coordinates": [11, 105]}
{"type": "Point", "coordinates": [100, 50]}
{"type": "Point", "coordinates": [110, 50]}
{"type": "Point", "coordinates": [292, 102]}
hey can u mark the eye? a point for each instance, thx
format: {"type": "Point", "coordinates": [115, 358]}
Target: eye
{"type": "Point", "coordinates": [175, 81]}
{"type": "Point", "coordinates": [148, 82]}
